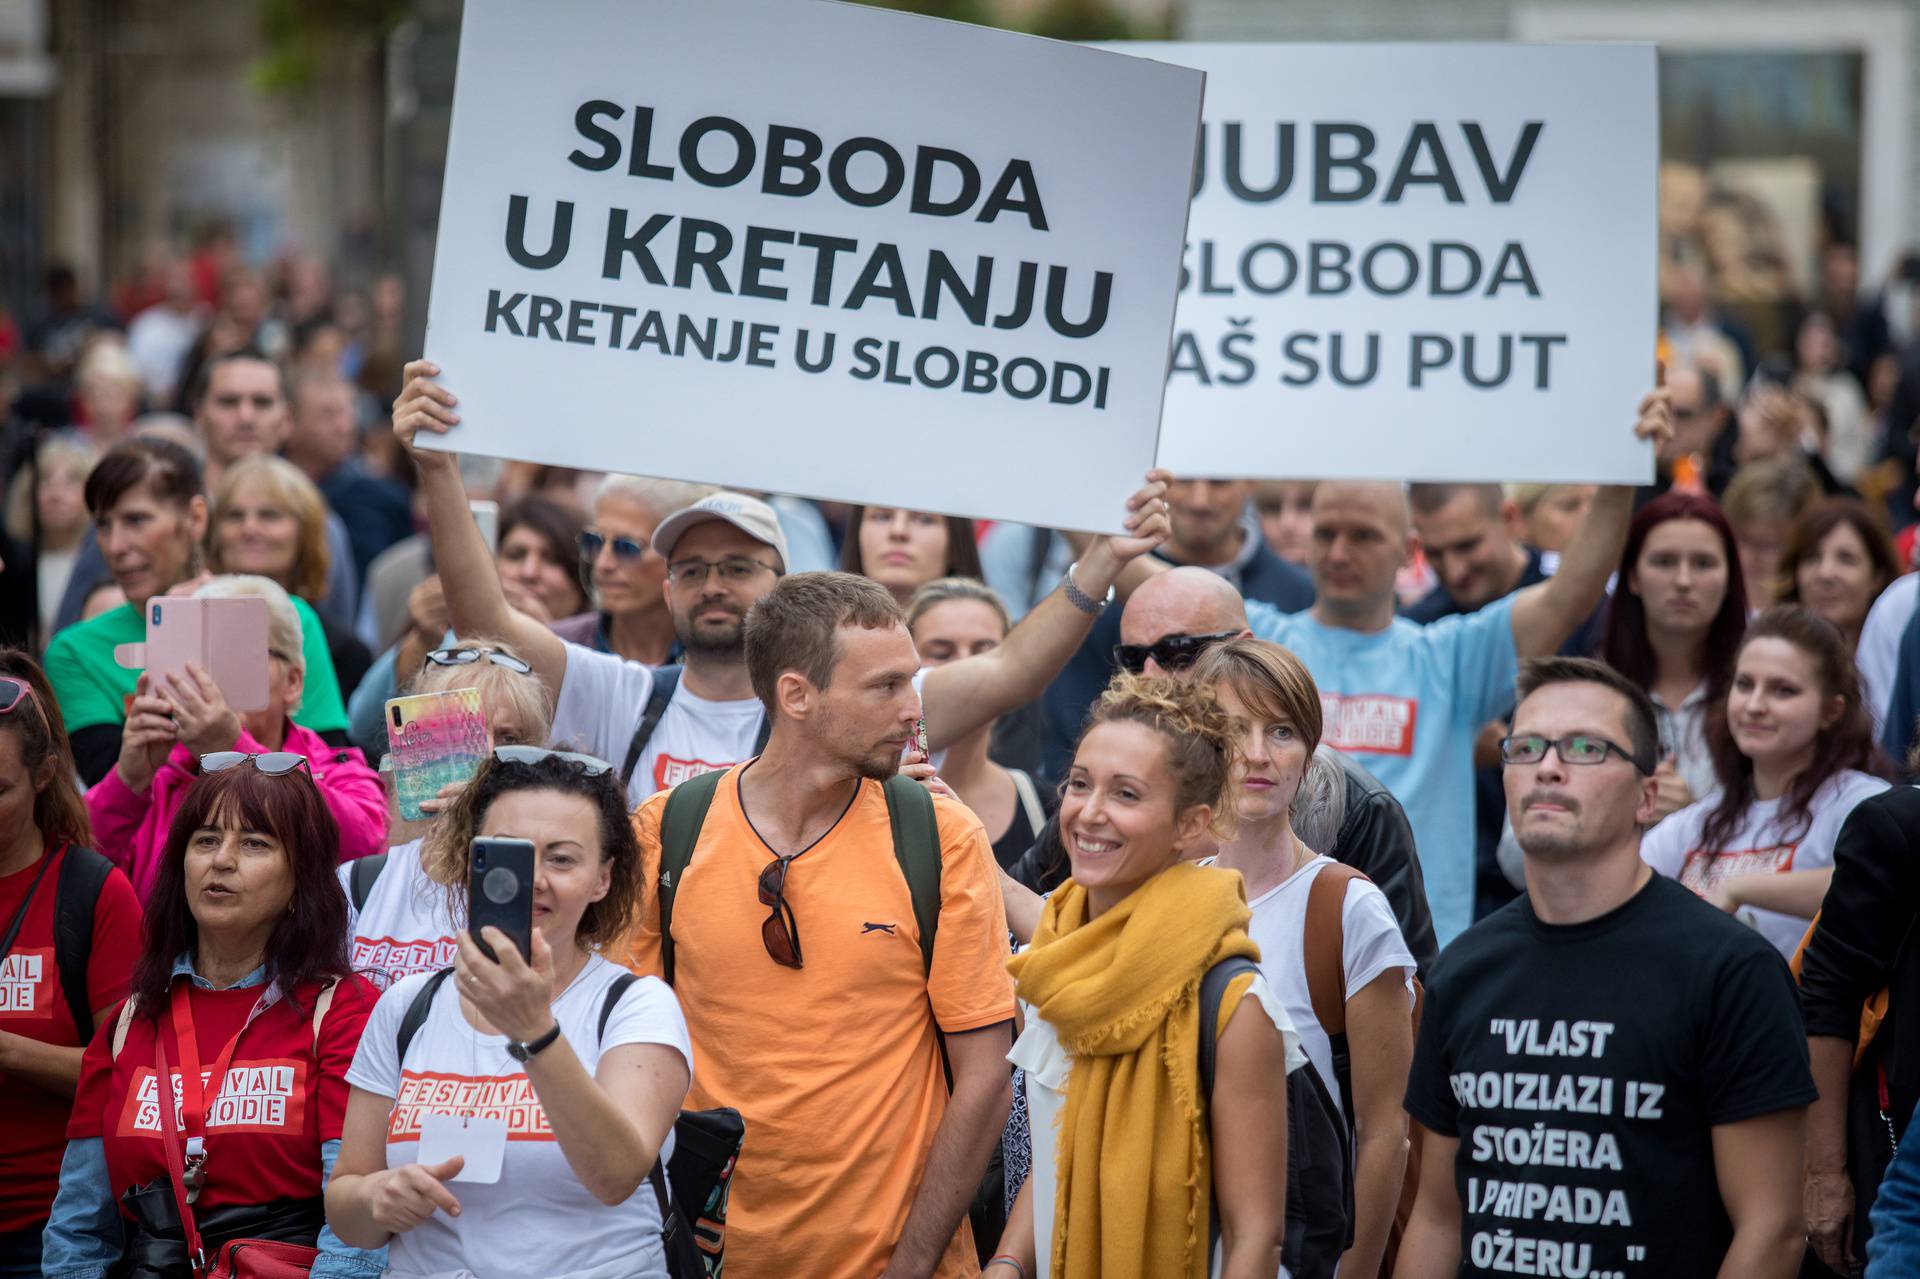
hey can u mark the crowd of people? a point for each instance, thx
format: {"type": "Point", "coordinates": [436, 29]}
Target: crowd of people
{"type": "Point", "coordinates": [1403, 880]}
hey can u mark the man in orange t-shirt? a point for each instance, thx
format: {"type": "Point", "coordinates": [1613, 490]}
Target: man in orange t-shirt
{"type": "Point", "coordinates": [824, 1027]}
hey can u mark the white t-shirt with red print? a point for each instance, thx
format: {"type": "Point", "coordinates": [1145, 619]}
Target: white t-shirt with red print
{"type": "Point", "coordinates": [514, 1226]}
{"type": "Point", "coordinates": [1762, 844]}
{"type": "Point", "coordinates": [408, 923]}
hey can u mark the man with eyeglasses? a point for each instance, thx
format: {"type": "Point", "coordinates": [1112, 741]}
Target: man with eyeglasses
{"type": "Point", "coordinates": [1611, 1073]}
{"type": "Point", "coordinates": [705, 719]}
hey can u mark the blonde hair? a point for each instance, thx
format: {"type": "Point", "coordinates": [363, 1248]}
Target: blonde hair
{"type": "Point", "coordinates": [525, 696]}
{"type": "Point", "coordinates": [1196, 729]}
{"type": "Point", "coordinates": [60, 452]}
{"type": "Point", "coordinates": [288, 486]}
{"type": "Point", "coordinates": [284, 636]}
{"type": "Point", "coordinates": [1269, 679]}
{"type": "Point", "coordinates": [944, 590]}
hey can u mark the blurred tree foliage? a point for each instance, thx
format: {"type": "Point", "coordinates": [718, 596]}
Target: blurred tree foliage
{"type": "Point", "coordinates": [300, 35]}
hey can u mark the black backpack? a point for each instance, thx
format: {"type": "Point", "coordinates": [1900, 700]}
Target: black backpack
{"type": "Point", "coordinates": [1319, 1153]}
{"type": "Point", "coordinates": [706, 1146]}
{"type": "Point", "coordinates": [76, 896]}
{"type": "Point", "coordinates": [666, 681]}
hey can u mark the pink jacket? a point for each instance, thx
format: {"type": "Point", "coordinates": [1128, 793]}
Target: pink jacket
{"type": "Point", "coordinates": [131, 829]}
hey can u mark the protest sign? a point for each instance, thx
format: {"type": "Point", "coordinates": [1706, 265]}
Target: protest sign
{"type": "Point", "coordinates": [814, 248]}
{"type": "Point", "coordinates": [1417, 262]}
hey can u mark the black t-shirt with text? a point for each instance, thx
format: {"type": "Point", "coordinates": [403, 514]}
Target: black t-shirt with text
{"type": "Point", "coordinates": [1583, 1068]}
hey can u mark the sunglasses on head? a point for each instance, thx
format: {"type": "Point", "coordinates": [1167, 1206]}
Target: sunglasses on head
{"type": "Point", "coordinates": [624, 548]}
{"type": "Point", "coordinates": [272, 763]}
{"type": "Point", "coordinates": [468, 656]}
{"type": "Point", "coordinates": [591, 765]}
{"type": "Point", "coordinates": [1173, 653]}
{"type": "Point", "coordinates": [12, 693]}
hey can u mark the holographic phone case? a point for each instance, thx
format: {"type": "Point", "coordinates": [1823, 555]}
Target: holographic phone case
{"type": "Point", "coordinates": [436, 738]}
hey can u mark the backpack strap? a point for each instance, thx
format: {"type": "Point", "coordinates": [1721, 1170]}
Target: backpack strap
{"type": "Point", "coordinates": [416, 1015]}
{"type": "Point", "coordinates": [1029, 797]}
{"type": "Point", "coordinates": [360, 879]}
{"type": "Point", "coordinates": [666, 679]}
{"type": "Point", "coordinates": [616, 990]}
{"type": "Point", "coordinates": [83, 873]}
{"type": "Point", "coordinates": [916, 845]}
{"type": "Point", "coordinates": [1323, 945]}
{"type": "Point", "coordinates": [1213, 993]}
{"type": "Point", "coordinates": [680, 820]}
{"type": "Point", "coordinates": [766, 731]}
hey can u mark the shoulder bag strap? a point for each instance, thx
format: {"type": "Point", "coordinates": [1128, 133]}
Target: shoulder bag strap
{"type": "Point", "coordinates": [680, 820]}
{"type": "Point", "coordinates": [1213, 993]}
{"type": "Point", "coordinates": [916, 845]}
{"type": "Point", "coordinates": [417, 1009]}
{"type": "Point", "coordinates": [616, 991]}
{"type": "Point", "coordinates": [1324, 943]}
{"type": "Point", "coordinates": [360, 879]}
{"type": "Point", "coordinates": [1029, 796]}
{"type": "Point", "coordinates": [176, 1156]}
{"type": "Point", "coordinates": [665, 680]}
{"type": "Point", "coordinates": [83, 873]}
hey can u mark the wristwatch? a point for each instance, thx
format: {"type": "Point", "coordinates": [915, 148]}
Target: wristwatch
{"type": "Point", "coordinates": [1079, 598]}
{"type": "Point", "coordinates": [533, 1048]}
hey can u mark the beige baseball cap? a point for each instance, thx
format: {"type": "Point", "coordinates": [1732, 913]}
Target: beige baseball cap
{"type": "Point", "coordinates": [748, 514]}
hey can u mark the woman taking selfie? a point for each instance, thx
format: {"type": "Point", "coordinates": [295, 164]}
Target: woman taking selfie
{"type": "Point", "coordinates": [242, 982]}
{"type": "Point", "coordinates": [1123, 1182]}
{"type": "Point", "coordinates": [1793, 751]}
{"type": "Point", "coordinates": [1672, 626]}
{"type": "Point", "coordinates": [175, 719]}
{"type": "Point", "coordinates": [50, 885]}
{"type": "Point", "coordinates": [570, 1044]}
{"type": "Point", "coordinates": [1275, 709]}
{"type": "Point", "coordinates": [150, 514]}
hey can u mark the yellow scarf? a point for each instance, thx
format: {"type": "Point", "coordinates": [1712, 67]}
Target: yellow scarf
{"type": "Point", "coordinates": [1135, 1175]}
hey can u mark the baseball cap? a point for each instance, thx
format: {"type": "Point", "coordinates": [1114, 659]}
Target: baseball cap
{"type": "Point", "coordinates": [748, 514]}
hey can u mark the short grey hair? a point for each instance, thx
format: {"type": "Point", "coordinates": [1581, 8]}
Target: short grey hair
{"type": "Point", "coordinates": [1320, 805]}
{"type": "Point", "coordinates": [658, 498]}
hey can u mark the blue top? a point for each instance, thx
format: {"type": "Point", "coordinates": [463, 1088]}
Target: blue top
{"type": "Point", "coordinates": [84, 1236]}
{"type": "Point", "coordinates": [1408, 702]}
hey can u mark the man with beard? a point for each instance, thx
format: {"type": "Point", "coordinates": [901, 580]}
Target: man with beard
{"type": "Point", "coordinates": [1612, 1074]}
{"type": "Point", "coordinates": [815, 1012]}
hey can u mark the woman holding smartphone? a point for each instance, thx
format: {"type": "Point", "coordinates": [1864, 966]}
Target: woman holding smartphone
{"type": "Point", "coordinates": [176, 719]}
{"type": "Point", "coordinates": [590, 1063]}
{"type": "Point", "coordinates": [149, 511]}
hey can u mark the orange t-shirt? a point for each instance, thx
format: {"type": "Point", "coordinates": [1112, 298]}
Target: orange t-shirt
{"type": "Point", "coordinates": [835, 1066]}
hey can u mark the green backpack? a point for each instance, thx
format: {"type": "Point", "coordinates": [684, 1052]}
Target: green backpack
{"type": "Point", "coordinates": [916, 845]}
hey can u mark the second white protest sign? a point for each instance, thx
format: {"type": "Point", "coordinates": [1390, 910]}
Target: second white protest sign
{"type": "Point", "coordinates": [1425, 262]}
{"type": "Point", "coordinates": [813, 248]}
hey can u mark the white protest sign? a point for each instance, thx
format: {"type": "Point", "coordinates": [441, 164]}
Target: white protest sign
{"type": "Point", "coordinates": [1417, 262]}
{"type": "Point", "coordinates": [815, 248]}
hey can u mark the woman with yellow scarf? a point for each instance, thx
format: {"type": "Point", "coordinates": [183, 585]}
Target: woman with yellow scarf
{"type": "Point", "coordinates": [1132, 1165]}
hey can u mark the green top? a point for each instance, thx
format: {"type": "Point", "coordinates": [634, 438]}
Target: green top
{"type": "Point", "coordinates": [93, 688]}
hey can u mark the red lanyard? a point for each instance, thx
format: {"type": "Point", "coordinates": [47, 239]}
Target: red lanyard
{"type": "Point", "coordinates": [195, 1099]}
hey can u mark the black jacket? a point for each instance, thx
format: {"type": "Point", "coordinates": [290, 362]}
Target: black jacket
{"type": "Point", "coordinates": [1374, 839]}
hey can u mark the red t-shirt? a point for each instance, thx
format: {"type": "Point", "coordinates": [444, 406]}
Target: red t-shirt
{"type": "Point", "coordinates": [283, 1096]}
{"type": "Point", "coordinates": [33, 1004]}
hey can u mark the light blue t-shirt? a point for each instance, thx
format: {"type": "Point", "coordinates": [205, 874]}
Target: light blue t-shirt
{"type": "Point", "coordinates": [1408, 702]}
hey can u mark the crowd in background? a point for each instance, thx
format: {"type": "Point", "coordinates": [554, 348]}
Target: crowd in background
{"type": "Point", "coordinates": [1293, 681]}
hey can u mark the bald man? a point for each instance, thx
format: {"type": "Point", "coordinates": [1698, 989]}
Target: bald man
{"type": "Point", "coordinates": [1408, 700]}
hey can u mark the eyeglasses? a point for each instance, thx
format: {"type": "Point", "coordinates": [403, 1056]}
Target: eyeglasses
{"type": "Point", "coordinates": [624, 548]}
{"type": "Point", "coordinates": [735, 570]}
{"type": "Point", "coordinates": [1575, 748]}
{"type": "Point", "coordinates": [591, 765]}
{"type": "Point", "coordinates": [468, 656]}
{"type": "Point", "coordinates": [272, 763]}
{"type": "Point", "coordinates": [1174, 653]}
{"type": "Point", "coordinates": [780, 933]}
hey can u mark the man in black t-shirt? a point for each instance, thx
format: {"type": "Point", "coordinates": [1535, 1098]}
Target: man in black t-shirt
{"type": "Point", "coordinates": [1611, 1075]}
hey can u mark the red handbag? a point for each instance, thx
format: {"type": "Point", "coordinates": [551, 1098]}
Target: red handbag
{"type": "Point", "coordinates": [238, 1258]}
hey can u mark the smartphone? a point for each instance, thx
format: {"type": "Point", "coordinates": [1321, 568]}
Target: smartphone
{"type": "Point", "coordinates": [225, 636]}
{"type": "Point", "coordinates": [434, 739]}
{"type": "Point", "coordinates": [487, 515]}
{"type": "Point", "coordinates": [500, 892]}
